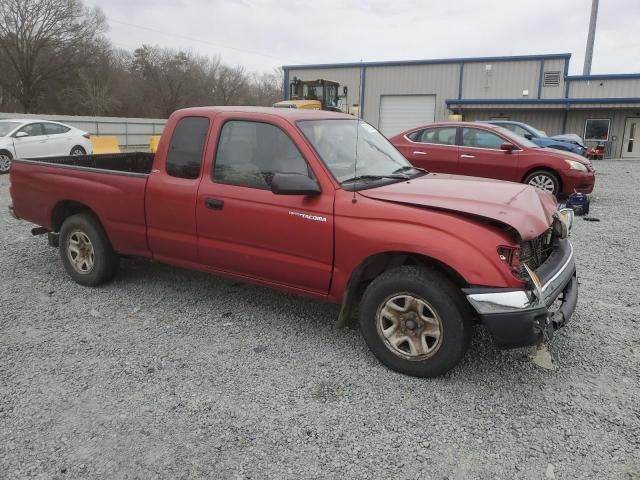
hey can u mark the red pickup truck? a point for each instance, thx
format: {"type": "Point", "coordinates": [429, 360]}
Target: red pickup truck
{"type": "Point", "coordinates": [320, 204]}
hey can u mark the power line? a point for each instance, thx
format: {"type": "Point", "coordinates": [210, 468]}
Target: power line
{"type": "Point", "coordinates": [194, 39]}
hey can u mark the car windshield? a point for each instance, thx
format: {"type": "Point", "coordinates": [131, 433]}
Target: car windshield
{"type": "Point", "coordinates": [6, 127]}
{"type": "Point", "coordinates": [335, 142]}
{"type": "Point", "coordinates": [516, 138]}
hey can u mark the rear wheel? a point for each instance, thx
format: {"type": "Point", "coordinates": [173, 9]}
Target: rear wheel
{"type": "Point", "coordinates": [415, 321]}
{"type": "Point", "coordinates": [78, 150]}
{"type": "Point", "coordinates": [86, 252]}
{"type": "Point", "coordinates": [5, 161]}
{"type": "Point", "coordinates": [544, 180]}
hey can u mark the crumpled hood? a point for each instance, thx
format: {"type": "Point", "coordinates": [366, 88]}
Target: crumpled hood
{"type": "Point", "coordinates": [527, 209]}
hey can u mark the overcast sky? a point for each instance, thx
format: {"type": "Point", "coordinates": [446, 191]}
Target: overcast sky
{"type": "Point", "coordinates": [263, 34]}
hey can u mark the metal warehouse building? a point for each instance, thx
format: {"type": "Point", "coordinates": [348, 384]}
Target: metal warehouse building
{"type": "Point", "coordinates": [534, 89]}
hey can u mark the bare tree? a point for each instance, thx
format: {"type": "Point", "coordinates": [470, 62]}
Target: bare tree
{"type": "Point", "coordinates": [40, 40]}
{"type": "Point", "coordinates": [232, 86]}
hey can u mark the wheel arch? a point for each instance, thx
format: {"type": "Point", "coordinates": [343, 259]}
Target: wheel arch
{"type": "Point", "coordinates": [66, 208]}
{"type": "Point", "coordinates": [372, 266]}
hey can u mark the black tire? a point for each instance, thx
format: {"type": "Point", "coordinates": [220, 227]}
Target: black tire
{"type": "Point", "coordinates": [441, 296]}
{"type": "Point", "coordinates": [5, 161]}
{"type": "Point", "coordinates": [538, 178]}
{"type": "Point", "coordinates": [78, 150]}
{"type": "Point", "coordinates": [105, 261]}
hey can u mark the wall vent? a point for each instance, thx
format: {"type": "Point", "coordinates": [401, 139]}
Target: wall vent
{"type": "Point", "coordinates": [551, 79]}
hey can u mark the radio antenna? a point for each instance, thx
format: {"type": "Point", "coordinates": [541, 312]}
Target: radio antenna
{"type": "Point", "coordinates": [355, 160]}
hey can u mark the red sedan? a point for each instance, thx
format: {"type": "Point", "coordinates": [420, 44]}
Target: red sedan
{"type": "Point", "coordinates": [484, 150]}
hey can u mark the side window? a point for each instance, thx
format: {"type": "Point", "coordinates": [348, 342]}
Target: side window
{"type": "Point", "coordinates": [187, 144]}
{"type": "Point", "coordinates": [54, 129]}
{"type": "Point", "coordinates": [249, 153]}
{"type": "Point", "coordinates": [33, 129]}
{"type": "Point", "coordinates": [521, 131]}
{"type": "Point", "coordinates": [415, 136]}
{"type": "Point", "coordinates": [474, 137]}
{"type": "Point", "coordinates": [440, 136]}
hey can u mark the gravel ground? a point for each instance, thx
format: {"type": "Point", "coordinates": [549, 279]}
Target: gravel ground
{"type": "Point", "coordinates": [167, 373]}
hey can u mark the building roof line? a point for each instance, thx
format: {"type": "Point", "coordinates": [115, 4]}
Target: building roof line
{"type": "Point", "coordinates": [550, 56]}
{"type": "Point", "coordinates": [508, 101]}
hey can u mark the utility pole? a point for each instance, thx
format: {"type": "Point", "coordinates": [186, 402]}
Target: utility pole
{"type": "Point", "coordinates": [590, 38]}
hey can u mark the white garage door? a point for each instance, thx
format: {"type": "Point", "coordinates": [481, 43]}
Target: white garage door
{"type": "Point", "coordinates": [402, 112]}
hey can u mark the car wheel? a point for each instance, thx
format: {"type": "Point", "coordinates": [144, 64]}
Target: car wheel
{"type": "Point", "coordinates": [544, 180]}
{"type": "Point", "coordinates": [78, 150]}
{"type": "Point", "coordinates": [86, 252]}
{"type": "Point", "coordinates": [415, 321]}
{"type": "Point", "coordinates": [5, 162]}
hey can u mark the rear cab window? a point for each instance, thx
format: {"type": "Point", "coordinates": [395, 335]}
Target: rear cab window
{"type": "Point", "coordinates": [184, 158]}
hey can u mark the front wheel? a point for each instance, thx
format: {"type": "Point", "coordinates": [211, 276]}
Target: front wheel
{"type": "Point", "coordinates": [78, 150]}
{"type": "Point", "coordinates": [544, 180]}
{"type": "Point", "coordinates": [86, 252]}
{"type": "Point", "coordinates": [415, 321]}
{"type": "Point", "coordinates": [5, 162]}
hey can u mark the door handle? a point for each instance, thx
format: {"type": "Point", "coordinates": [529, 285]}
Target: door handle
{"type": "Point", "coordinates": [214, 203]}
{"type": "Point", "coordinates": [419, 152]}
{"type": "Point", "coordinates": [464, 155]}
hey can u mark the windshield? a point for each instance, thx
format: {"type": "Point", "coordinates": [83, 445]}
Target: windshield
{"type": "Point", "coordinates": [6, 127]}
{"type": "Point", "coordinates": [516, 138]}
{"type": "Point", "coordinates": [327, 93]}
{"type": "Point", "coordinates": [335, 142]}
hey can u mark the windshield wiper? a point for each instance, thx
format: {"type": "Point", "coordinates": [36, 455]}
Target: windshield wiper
{"type": "Point", "coordinates": [410, 167]}
{"type": "Point", "coordinates": [375, 177]}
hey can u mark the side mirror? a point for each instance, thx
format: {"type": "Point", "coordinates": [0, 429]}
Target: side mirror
{"type": "Point", "coordinates": [508, 147]}
{"type": "Point", "coordinates": [294, 184]}
{"type": "Point", "coordinates": [528, 136]}
{"type": "Point", "coordinates": [21, 134]}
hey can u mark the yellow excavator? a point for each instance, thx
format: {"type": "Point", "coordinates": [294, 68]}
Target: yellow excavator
{"type": "Point", "coordinates": [313, 95]}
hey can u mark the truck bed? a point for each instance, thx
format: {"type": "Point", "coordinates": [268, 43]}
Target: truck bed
{"type": "Point", "coordinates": [130, 162]}
{"type": "Point", "coordinates": [112, 186]}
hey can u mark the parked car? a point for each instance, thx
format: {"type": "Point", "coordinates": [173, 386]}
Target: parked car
{"type": "Point", "coordinates": [486, 150]}
{"type": "Point", "coordinates": [571, 138]}
{"type": "Point", "coordinates": [39, 138]}
{"type": "Point", "coordinates": [539, 137]}
{"type": "Point", "coordinates": [276, 197]}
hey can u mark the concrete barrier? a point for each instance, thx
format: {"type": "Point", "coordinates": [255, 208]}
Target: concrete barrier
{"type": "Point", "coordinates": [105, 144]}
{"type": "Point", "coordinates": [153, 143]}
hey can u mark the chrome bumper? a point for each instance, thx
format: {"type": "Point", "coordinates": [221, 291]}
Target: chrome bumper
{"type": "Point", "coordinates": [510, 300]}
{"type": "Point", "coordinates": [520, 317]}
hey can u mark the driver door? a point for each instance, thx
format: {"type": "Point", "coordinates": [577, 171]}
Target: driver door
{"type": "Point", "coordinates": [34, 144]}
{"type": "Point", "coordinates": [244, 228]}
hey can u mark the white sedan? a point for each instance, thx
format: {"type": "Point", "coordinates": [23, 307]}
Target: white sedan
{"type": "Point", "coordinates": [23, 138]}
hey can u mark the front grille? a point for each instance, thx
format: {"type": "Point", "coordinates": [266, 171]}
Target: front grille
{"type": "Point", "coordinates": [535, 252]}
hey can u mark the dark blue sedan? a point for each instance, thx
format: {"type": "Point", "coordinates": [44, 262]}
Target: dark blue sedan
{"type": "Point", "coordinates": [538, 137]}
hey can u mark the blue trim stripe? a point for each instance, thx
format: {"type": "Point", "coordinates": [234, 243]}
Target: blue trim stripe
{"type": "Point", "coordinates": [461, 80]}
{"type": "Point", "coordinates": [539, 78]}
{"type": "Point", "coordinates": [610, 76]}
{"type": "Point", "coordinates": [515, 101]}
{"type": "Point", "coordinates": [550, 56]}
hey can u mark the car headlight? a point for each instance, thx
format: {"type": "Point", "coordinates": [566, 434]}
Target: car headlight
{"type": "Point", "coordinates": [573, 165]}
{"type": "Point", "coordinates": [564, 223]}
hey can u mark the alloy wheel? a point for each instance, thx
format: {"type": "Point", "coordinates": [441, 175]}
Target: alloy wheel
{"type": "Point", "coordinates": [543, 182]}
{"type": "Point", "coordinates": [80, 252]}
{"type": "Point", "coordinates": [409, 326]}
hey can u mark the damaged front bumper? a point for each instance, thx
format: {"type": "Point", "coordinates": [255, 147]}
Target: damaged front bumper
{"type": "Point", "coordinates": [523, 317]}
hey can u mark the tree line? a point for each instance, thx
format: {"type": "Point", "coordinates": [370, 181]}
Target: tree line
{"type": "Point", "coordinates": [55, 58]}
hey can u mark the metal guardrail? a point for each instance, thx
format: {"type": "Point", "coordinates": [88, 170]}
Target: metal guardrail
{"type": "Point", "coordinates": [131, 132]}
